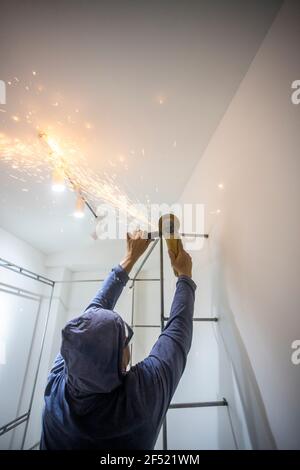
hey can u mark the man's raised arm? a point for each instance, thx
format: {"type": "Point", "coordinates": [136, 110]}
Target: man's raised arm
{"type": "Point", "coordinates": [167, 359]}
{"type": "Point", "coordinates": [113, 285]}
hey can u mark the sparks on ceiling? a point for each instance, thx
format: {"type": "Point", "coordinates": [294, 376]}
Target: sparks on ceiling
{"type": "Point", "coordinates": [59, 177]}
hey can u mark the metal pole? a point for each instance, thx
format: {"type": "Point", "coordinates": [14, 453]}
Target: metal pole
{"type": "Point", "coordinates": [214, 319]}
{"type": "Point", "coordinates": [88, 205]}
{"type": "Point", "coordinates": [162, 299]}
{"type": "Point", "coordinates": [206, 319]}
{"type": "Point", "coordinates": [90, 208]}
{"type": "Point", "coordinates": [132, 319]}
{"type": "Point", "coordinates": [162, 314]}
{"type": "Point", "coordinates": [200, 404]}
{"type": "Point", "coordinates": [146, 326]}
{"type": "Point", "coordinates": [154, 235]}
{"type": "Point", "coordinates": [101, 280]}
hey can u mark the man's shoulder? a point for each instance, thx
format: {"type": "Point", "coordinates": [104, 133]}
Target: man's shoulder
{"type": "Point", "coordinates": [144, 371]}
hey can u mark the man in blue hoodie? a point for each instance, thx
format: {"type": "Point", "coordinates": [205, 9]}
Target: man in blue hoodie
{"type": "Point", "coordinates": [91, 402]}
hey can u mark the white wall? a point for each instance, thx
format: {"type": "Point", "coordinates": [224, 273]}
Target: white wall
{"type": "Point", "coordinates": [23, 317]}
{"type": "Point", "coordinates": [253, 247]}
{"type": "Point", "coordinates": [17, 251]}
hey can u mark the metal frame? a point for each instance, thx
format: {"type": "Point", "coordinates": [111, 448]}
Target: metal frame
{"type": "Point", "coordinates": [199, 404]}
{"type": "Point", "coordinates": [157, 238]}
{"type": "Point", "coordinates": [25, 272]}
{"type": "Point", "coordinates": [24, 418]}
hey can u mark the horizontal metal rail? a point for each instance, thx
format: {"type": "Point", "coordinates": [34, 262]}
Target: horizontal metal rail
{"type": "Point", "coordinates": [25, 272]}
{"type": "Point", "coordinates": [215, 319]}
{"type": "Point", "coordinates": [14, 423]}
{"type": "Point", "coordinates": [146, 326]}
{"type": "Point", "coordinates": [101, 280]}
{"type": "Point", "coordinates": [206, 319]}
{"type": "Point", "coordinates": [21, 419]}
{"type": "Point", "coordinates": [200, 404]}
{"type": "Point", "coordinates": [198, 319]}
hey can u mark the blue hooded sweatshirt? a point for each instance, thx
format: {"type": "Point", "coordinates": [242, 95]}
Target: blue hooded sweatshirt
{"type": "Point", "coordinates": [89, 402]}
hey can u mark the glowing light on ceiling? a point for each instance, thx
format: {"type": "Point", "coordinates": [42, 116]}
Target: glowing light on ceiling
{"type": "Point", "coordinates": [65, 158]}
{"type": "Point", "coordinates": [58, 181]}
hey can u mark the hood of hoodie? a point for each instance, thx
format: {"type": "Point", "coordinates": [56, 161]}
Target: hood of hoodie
{"type": "Point", "coordinates": [92, 348]}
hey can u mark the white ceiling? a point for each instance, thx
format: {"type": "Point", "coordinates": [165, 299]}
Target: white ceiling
{"type": "Point", "coordinates": [152, 79]}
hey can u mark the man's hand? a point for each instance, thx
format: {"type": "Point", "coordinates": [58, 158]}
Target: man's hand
{"type": "Point", "coordinates": [182, 263]}
{"type": "Point", "coordinates": [136, 246]}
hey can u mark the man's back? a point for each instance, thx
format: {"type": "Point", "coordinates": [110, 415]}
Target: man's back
{"type": "Point", "coordinates": [127, 418]}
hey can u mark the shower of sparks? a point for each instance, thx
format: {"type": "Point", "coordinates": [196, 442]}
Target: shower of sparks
{"type": "Point", "coordinates": [34, 159]}
{"type": "Point", "coordinates": [38, 157]}
{"type": "Point", "coordinates": [42, 149]}
{"type": "Point", "coordinates": [91, 186]}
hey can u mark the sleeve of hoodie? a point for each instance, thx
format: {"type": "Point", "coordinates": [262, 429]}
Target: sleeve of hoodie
{"type": "Point", "coordinates": [111, 289]}
{"type": "Point", "coordinates": [161, 371]}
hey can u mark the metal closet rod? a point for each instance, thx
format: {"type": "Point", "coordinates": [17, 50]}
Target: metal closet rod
{"type": "Point", "coordinates": [214, 319]}
{"type": "Point", "coordinates": [25, 272]}
{"type": "Point", "coordinates": [199, 404]}
{"type": "Point", "coordinates": [204, 404]}
{"type": "Point", "coordinates": [198, 319]}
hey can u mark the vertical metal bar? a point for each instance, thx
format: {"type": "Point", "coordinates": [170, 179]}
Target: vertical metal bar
{"type": "Point", "coordinates": [162, 314]}
{"type": "Point", "coordinates": [162, 300]}
{"type": "Point", "coordinates": [132, 317]}
{"type": "Point", "coordinates": [38, 367]}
